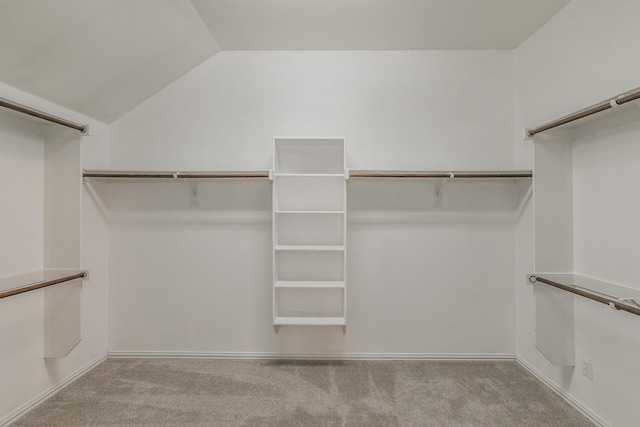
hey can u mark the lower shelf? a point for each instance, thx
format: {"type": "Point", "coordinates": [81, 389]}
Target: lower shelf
{"type": "Point", "coordinates": [309, 321]}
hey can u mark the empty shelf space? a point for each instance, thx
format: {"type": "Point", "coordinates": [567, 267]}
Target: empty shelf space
{"type": "Point", "coordinates": [22, 283]}
{"type": "Point", "coordinates": [309, 248]}
{"type": "Point", "coordinates": [309, 321]}
{"type": "Point", "coordinates": [303, 155]}
{"type": "Point", "coordinates": [310, 284]}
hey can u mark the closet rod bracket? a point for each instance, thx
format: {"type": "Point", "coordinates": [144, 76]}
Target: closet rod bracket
{"type": "Point", "coordinates": [438, 189]}
{"type": "Point", "coordinates": [193, 188]}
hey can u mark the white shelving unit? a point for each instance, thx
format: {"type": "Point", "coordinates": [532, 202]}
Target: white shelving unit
{"type": "Point", "coordinates": [309, 233]}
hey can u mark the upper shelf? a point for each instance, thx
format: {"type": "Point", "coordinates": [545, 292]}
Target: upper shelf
{"type": "Point", "coordinates": [441, 174]}
{"type": "Point", "coordinates": [613, 112]}
{"type": "Point", "coordinates": [22, 283]}
{"type": "Point", "coordinates": [615, 296]}
{"type": "Point", "coordinates": [42, 115]}
{"type": "Point", "coordinates": [105, 175]}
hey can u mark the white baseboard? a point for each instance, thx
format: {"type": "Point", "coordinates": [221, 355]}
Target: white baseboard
{"type": "Point", "coordinates": [304, 356]}
{"type": "Point", "coordinates": [560, 392]}
{"type": "Point", "coordinates": [50, 392]}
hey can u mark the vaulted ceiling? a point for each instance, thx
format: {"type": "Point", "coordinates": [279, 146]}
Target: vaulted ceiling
{"type": "Point", "coordinates": [104, 57]}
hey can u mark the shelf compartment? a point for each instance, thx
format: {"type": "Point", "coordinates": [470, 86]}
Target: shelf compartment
{"type": "Point", "coordinates": [311, 265]}
{"type": "Point", "coordinates": [316, 228]}
{"type": "Point", "coordinates": [309, 193]}
{"type": "Point", "coordinates": [319, 156]}
{"type": "Point", "coordinates": [309, 284]}
{"type": "Point", "coordinates": [319, 301]}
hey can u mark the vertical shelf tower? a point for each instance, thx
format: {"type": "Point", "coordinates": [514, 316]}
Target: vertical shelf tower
{"type": "Point", "coordinates": [309, 233]}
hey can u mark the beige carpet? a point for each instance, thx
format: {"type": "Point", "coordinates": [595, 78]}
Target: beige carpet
{"type": "Point", "coordinates": [196, 392]}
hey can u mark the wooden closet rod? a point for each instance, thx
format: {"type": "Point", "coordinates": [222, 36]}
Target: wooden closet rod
{"type": "Point", "coordinates": [441, 175]}
{"type": "Point", "coordinates": [603, 106]}
{"type": "Point", "coordinates": [586, 294]}
{"type": "Point", "coordinates": [39, 114]}
{"type": "Point", "coordinates": [42, 284]}
{"type": "Point", "coordinates": [172, 175]}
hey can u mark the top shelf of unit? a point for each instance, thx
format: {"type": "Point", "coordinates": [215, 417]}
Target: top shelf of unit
{"type": "Point", "coordinates": [613, 112]}
{"type": "Point", "coordinates": [310, 175]}
{"type": "Point", "coordinates": [309, 156]}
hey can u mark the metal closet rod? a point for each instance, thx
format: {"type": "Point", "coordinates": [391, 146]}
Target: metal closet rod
{"type": "Point", "coordinates": [603, 106]}
{"type": "Point", "coordinates": [42, 284]}
{"type": "Point", "coordinates": [441, 175]}
{"type": "Point", "coordinates": [601, 299]}
{"type": "Point", "coordinates": [174, 175]}
{"type": "Point", "coordinates": [41, 115]}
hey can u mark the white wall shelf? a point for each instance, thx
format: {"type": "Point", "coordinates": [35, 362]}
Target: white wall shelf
{"type": "Point", "coordinates": [119, 176]}
{"type": "Point", "coordinates": [309, 248]}
{"type": "Point", "coordinates": [309, 212]}
{"type": "Point", "coordinates": [309, 284]}
{"type": "Point", "coordinates": [458, 175]}
{"type": "Point", "coordinates": [309, 238]}
{"type": "Point", "coordinates": [613, 112]}
{"type": "Point", "coordinates": [309, 321]}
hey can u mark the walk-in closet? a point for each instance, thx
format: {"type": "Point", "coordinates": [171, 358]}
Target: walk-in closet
{"type": "Point", "coordinates": [319, 213]}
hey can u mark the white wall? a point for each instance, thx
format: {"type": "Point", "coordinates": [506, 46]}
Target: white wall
{"type": "Point", "coordinates": [25, 374]}
{"type": "Point", "coordinates": [584, 55]}
{"type": "Point", "coordinates": [420, 279]}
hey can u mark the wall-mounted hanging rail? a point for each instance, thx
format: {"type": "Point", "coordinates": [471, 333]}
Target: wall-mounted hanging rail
{"type": "Point", "coordinates": [41, 115]}
{"type": "Point", "coordinates": [172, 175]}
{"type": "Point", "coordinates": [38, 280]}
{"type": "Point", "coordinates": [613, 303]}
{"type": "Point", "coordinates": [439, 174]}
{"type": "Point", "coordinates": [598, 108]}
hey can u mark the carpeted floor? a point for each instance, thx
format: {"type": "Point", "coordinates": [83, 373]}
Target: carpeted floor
{"type": "Point", "coordinates": [197, 392]}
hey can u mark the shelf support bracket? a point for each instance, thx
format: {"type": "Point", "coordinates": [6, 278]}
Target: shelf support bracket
{"type": "Point", "coordinates": [344, 329]}
{"type": "Point", "coordinates": [276, 328]}
{"type": "Point", "coordinates": [193, 189]}
{"type": "Point", "coordinates": [438, 189]}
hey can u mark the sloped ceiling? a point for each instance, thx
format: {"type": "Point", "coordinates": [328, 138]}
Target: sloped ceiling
{"type": "Point", "coordinates": [104, 57]}
{"type": "Point", "coordinates": [100, 57]}
{"type": "Point", "coordinates": [374, 24]}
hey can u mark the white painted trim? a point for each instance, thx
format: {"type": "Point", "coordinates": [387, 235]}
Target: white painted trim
{"type": "Point", "coordinates": [50, 392]}
{"type": "Point", "coordinates": [596, 420]}
{"type": "Point", "coordinates": [306, 356]}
